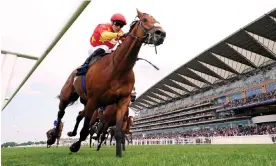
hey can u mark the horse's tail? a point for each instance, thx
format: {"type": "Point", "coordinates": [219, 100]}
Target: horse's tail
{"type": "Point", "coordinates": [73, 98]}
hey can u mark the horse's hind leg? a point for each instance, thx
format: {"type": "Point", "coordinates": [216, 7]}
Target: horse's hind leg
{"type": "Point", "coordinates": [78, 120]}
{"type": "Point", "coordinates": [88, 110]}
{"type": "Point", "coordinates": [65, 99]}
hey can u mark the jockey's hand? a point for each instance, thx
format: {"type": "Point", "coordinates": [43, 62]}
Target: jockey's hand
{"type": "Point", "coordinates": [120, 34]}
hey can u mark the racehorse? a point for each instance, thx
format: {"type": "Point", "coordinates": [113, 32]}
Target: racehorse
{"type": "Point", "coordinates": [111, 131]}
{"type": "Point", "coordinates": [108, 119]}
{"type": "Point", "coordinates": [50, 132]}
{"type": "Point", "coordinates": [103, 119]}
{"type": "Point", "coordinates": [95, 118]}
{"type": "Point", "coordinates": [110, 79]}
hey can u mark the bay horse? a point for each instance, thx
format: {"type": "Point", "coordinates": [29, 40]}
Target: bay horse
{"type": "Point", "coordinates": [95, 117]}
{"type": "Point", "coordinates": [107, 115]}
{"type": "Point", "coordinates": [50, 132]}
{"type": "Point", "coordinates": [112, 133]}
{"type": "Point", "coordinates": [128, 121]}
{"type": "Point", "coordinates": [108, 119]}
{"type": "Point", "coordinates": [110, 79]}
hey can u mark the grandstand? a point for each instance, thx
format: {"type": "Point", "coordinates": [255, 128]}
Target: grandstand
{"type": "Point", "coordinates": [227, 90]}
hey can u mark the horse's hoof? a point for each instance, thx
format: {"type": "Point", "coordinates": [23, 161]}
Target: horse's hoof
{"type": "Point", "coordinates": [118, 155]}
{"type": "Point", "coordinates": [71, 134]}
{"type": "Point", "coordinates": [75, 147]}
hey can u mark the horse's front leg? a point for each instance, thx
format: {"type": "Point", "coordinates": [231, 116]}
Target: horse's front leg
{"type": "Point", "coordinates": [124, 135]}
{"type": "Point", "coordinates": [93, 129]}
{"type": "Point", "coordinates": [99, 130]}
{"type": "Point", "coordinates": [90, 140]}
{"type": "Point", "coordinates": [122, 107]}
{"type": "Point", "coordinates": [131, 138]}
{"type": "Point", "coordinates": [127, 139]}
{"type": "Point", "coordinates": [111, 137]}
{"type": "Point", "coordinates": [104, 132]}
{"type": "Point", "coordinates": [57, 141]}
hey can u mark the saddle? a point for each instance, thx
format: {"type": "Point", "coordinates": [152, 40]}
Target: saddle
{"type": "Point", "coordinates": [97, 57]}
{"type": "Point", "coordinates": [84, 68]}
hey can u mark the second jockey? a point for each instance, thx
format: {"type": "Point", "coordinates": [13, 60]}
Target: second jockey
{"type": "Point", "coordinates": [55, 124]}
{"type": "Point", "coordinates": [104, 39]}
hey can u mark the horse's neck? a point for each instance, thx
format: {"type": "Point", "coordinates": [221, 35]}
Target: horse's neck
{"type": "Point", "coordinates": [127, 53]}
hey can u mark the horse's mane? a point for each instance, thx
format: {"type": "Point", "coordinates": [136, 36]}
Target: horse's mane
{"type": "Point", "coordinates": [133, 23]}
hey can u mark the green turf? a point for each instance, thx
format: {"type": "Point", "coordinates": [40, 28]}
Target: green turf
{"type": "Point", "coordinates": [175, 155]}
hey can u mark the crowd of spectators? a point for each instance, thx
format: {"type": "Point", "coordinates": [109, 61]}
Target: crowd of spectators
{"type": "Point", "coordinates": [189, 113]}
{"type": "Point", "coordinates": [186, 121]}
{"type": "Point", "coordinates": [251, 99]}
{"type": "Point", "coordinates": [248, 79]}
{"type": "Point", "coordinates": [169, 108]}
{"type": "Point", "coordinates": [213, 132]}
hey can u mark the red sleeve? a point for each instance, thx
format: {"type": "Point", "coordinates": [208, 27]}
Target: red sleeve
{"type": "Point", "coordinates": [123, 37]}
{"type": "Point", "coordinates": [100, 28]}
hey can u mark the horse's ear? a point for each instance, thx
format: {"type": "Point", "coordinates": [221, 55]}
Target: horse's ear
{"type": "Point", "coordinates": [139, 14]}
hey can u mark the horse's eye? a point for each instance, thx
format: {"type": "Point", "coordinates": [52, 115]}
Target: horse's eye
{"type": "Point", "coordinates": [145, 20]}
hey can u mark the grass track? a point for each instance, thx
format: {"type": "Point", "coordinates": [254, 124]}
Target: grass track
{"type": "Point", "coordinates": [174, 155]}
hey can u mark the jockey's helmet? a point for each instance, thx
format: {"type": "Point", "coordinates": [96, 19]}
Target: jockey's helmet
{"type": "Point", "coordinates": [118, 17]}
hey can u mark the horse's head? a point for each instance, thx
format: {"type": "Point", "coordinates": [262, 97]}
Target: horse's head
{"type": "Point", "coordinates": [151, 30]}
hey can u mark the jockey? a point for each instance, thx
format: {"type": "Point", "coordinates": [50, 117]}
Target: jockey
{"type": "Point", "coordinates": [103, 39]}
{"type": "Point", "coordinates": [55, 124]}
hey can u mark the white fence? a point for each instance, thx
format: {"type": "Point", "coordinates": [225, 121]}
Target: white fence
{"type": "Point", "coordinates": [252, 139]}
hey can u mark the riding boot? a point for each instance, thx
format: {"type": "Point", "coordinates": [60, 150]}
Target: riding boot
{"type": "Point", "coordinates": [83, 68]}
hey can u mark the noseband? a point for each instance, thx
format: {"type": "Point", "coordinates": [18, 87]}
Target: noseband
{"type": "Point", "coordinates": [146, 38]}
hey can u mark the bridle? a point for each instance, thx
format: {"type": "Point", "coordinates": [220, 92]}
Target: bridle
{"type": "Point", "coordinates": [148, 35]}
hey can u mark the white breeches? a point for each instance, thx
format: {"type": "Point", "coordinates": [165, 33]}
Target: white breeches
{"type": "Point", "coordinates": [91, 49]}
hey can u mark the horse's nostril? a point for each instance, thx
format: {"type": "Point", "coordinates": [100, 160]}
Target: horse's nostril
{"type": "Point", "coordinates": [158, 32]}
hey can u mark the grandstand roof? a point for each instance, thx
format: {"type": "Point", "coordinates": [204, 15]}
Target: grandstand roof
{"type": "Point", "coordinates": [251, 47]}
